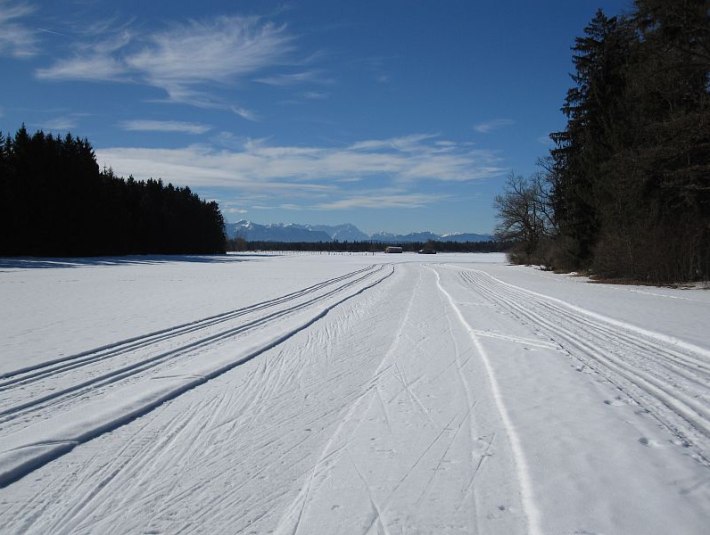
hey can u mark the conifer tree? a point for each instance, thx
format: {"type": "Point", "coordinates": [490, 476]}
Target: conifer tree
{"type": "Point", "coordinates": [629, 176]}
{"type": "Point", "coordinates": [592, 106]}
{"type": "Point", "coordinates": [55, 202]}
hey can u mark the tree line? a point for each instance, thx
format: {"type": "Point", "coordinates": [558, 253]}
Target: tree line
{"type": "Point", "coordinates": [55, 201]}
{"type": "Point", "coordinates": [240, 244]}
{"type": "Point", "coordinates": [625, 192]}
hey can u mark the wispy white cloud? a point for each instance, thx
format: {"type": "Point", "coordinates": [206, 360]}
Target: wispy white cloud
{"type": "Point", "coordinates": [92, 67]}
{"type": "Point", "coordinates": [287, 79]}
{"type": "Point", "coordinates": [17, 39]}
{"type": "Point", "coordinates": [97, 54]}
{"type": "Point", "coordinates": [227, 140]}
{"type": "Point", "coordinates": [108, 37]}
{"type": "Point", "coordinates": [494, 124]}
{"type": "Point", "coordinates": [411, 143]}
{"type": "Point", "coordinates": [232, 207]}
{"type": "Point", "coordinates": [143, 125]}
{"type": "Point", "coordinates": [188, 61]}
{"type": "Point", "coordinates": [377, 200]}
{"type": "Point", "coordinates": [394, 173]}
{"type": "Point", "coordinates": [245, 113]}
{"type": "Point", "coordinates": [222, 50]}
{"type": "Point", "coordinates": [324, 177]}
{"type": "Point", "coordinates": [63, 123]}
{"type": "Point", "coordinates": [99, 27]}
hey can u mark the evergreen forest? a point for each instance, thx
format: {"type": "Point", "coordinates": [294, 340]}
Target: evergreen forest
{"type": "Point", "coordinates": [55, 201]}
{"type": "Point", "coordinates": [625, 192]}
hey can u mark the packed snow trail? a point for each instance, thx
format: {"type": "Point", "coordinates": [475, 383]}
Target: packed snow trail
{"type": "Point", "coordinates": [531, 510]}
{"type": "Point", "coordinates": [385, 395]}
{"type": "Point", "coordinates": [386, 467]}
{"type": "Point", "coordinates": [666, 377]}
{"type": "Point", "coordinates": [53, 367]}
{"type": "Point", "coordinates": [48, 410]}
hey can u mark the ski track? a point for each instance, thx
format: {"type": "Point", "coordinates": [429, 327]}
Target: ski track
{"type": "Point", "coordinates": [666, 377]}
{"type": "Point", "coordinates": [52, 367]}
{"type": "Point", "coordinates": [471, 402]}
{"type": "Point", "coordinates": [423, 467]}
{"type": "Point", "coordinates": [523, 473]}
{"type": "Point", "coordinates": [291, 520]}
{"type": "Point", "coordinates": [161, 449]}
{"type": "Point", "coordinates": [26, 407]}
{"type": "Point", "coordinates": [40, 378]}
{"type": "Point", "coordinates": [261, 450]}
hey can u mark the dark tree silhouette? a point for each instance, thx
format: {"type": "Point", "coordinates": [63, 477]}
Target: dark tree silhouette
{"type": "Point", "coordinates": [629, 177]}
{"type": "Point", "coordinates": [54, 201]}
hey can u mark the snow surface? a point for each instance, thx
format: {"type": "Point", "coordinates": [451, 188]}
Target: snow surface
{"type": "Point", "coordinates": [348, 394]}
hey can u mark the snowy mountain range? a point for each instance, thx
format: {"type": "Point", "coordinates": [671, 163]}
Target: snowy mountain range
{"type": "Point", "coordinates": [323, 233]}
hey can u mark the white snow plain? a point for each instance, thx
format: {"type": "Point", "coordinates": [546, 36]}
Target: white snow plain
{"type": "Point", "coordinates": [329, 394]}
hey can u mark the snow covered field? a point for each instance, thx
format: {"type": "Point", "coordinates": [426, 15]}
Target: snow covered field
{"type": "Point", "coordinates": [348, 394]}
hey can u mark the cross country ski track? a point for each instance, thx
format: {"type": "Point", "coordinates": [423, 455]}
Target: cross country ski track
{"type": "Point", "coordinates": [394, 396]}
{"type": "Point", "coordinates": [667, 378]}
{"type": "Point", "coordinates": [67, 389]}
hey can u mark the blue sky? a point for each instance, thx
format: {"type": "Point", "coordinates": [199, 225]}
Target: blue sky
{"type": "Point", "coordinates": [393, 115]}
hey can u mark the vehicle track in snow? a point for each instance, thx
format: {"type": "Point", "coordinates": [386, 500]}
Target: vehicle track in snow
{"type": "Point", "coordinates": [669, 379]}
{"type": "Point", "coordinates": [46, 414]}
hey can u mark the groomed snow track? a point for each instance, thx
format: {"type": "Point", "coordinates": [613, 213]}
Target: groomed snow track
{"type": "Point", "coordinates": [375, 395]}
{"type": "Point", "coordinates": [50, 408]}
{"type": "Point", "coordinates": [666, 377]}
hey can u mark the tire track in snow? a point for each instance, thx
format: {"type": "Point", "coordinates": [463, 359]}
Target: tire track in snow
{"type": "Point", "coordinates": [667, 377]}
{"type": "Point", "coordinates": [529, 505]}
{"type": "Point", "coordinates": [30, 448]}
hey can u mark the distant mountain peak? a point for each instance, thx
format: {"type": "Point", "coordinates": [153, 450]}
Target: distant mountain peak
{"type": "Point", "coordinates": [242, 223]}
{"type": "Point", "coordinates": [295, 232]}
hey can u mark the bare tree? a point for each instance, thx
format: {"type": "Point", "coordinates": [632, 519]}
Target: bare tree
{"type": "Point", "coordinates": [524, 216]}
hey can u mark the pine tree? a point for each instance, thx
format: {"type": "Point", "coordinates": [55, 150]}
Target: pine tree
{"type": "Point", "coordinates": [56, 202]}
{"type": "Point", "coordinates": [592, 107]}
{"type": "Point", "coordinates": [630, 175]}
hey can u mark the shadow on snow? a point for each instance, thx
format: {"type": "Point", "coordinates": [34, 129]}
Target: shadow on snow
{"type": "Point", "coordinates": [37, 263]}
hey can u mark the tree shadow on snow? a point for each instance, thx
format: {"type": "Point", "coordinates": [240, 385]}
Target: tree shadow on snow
{"type": "Point", "coordinates": [46, 263]}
